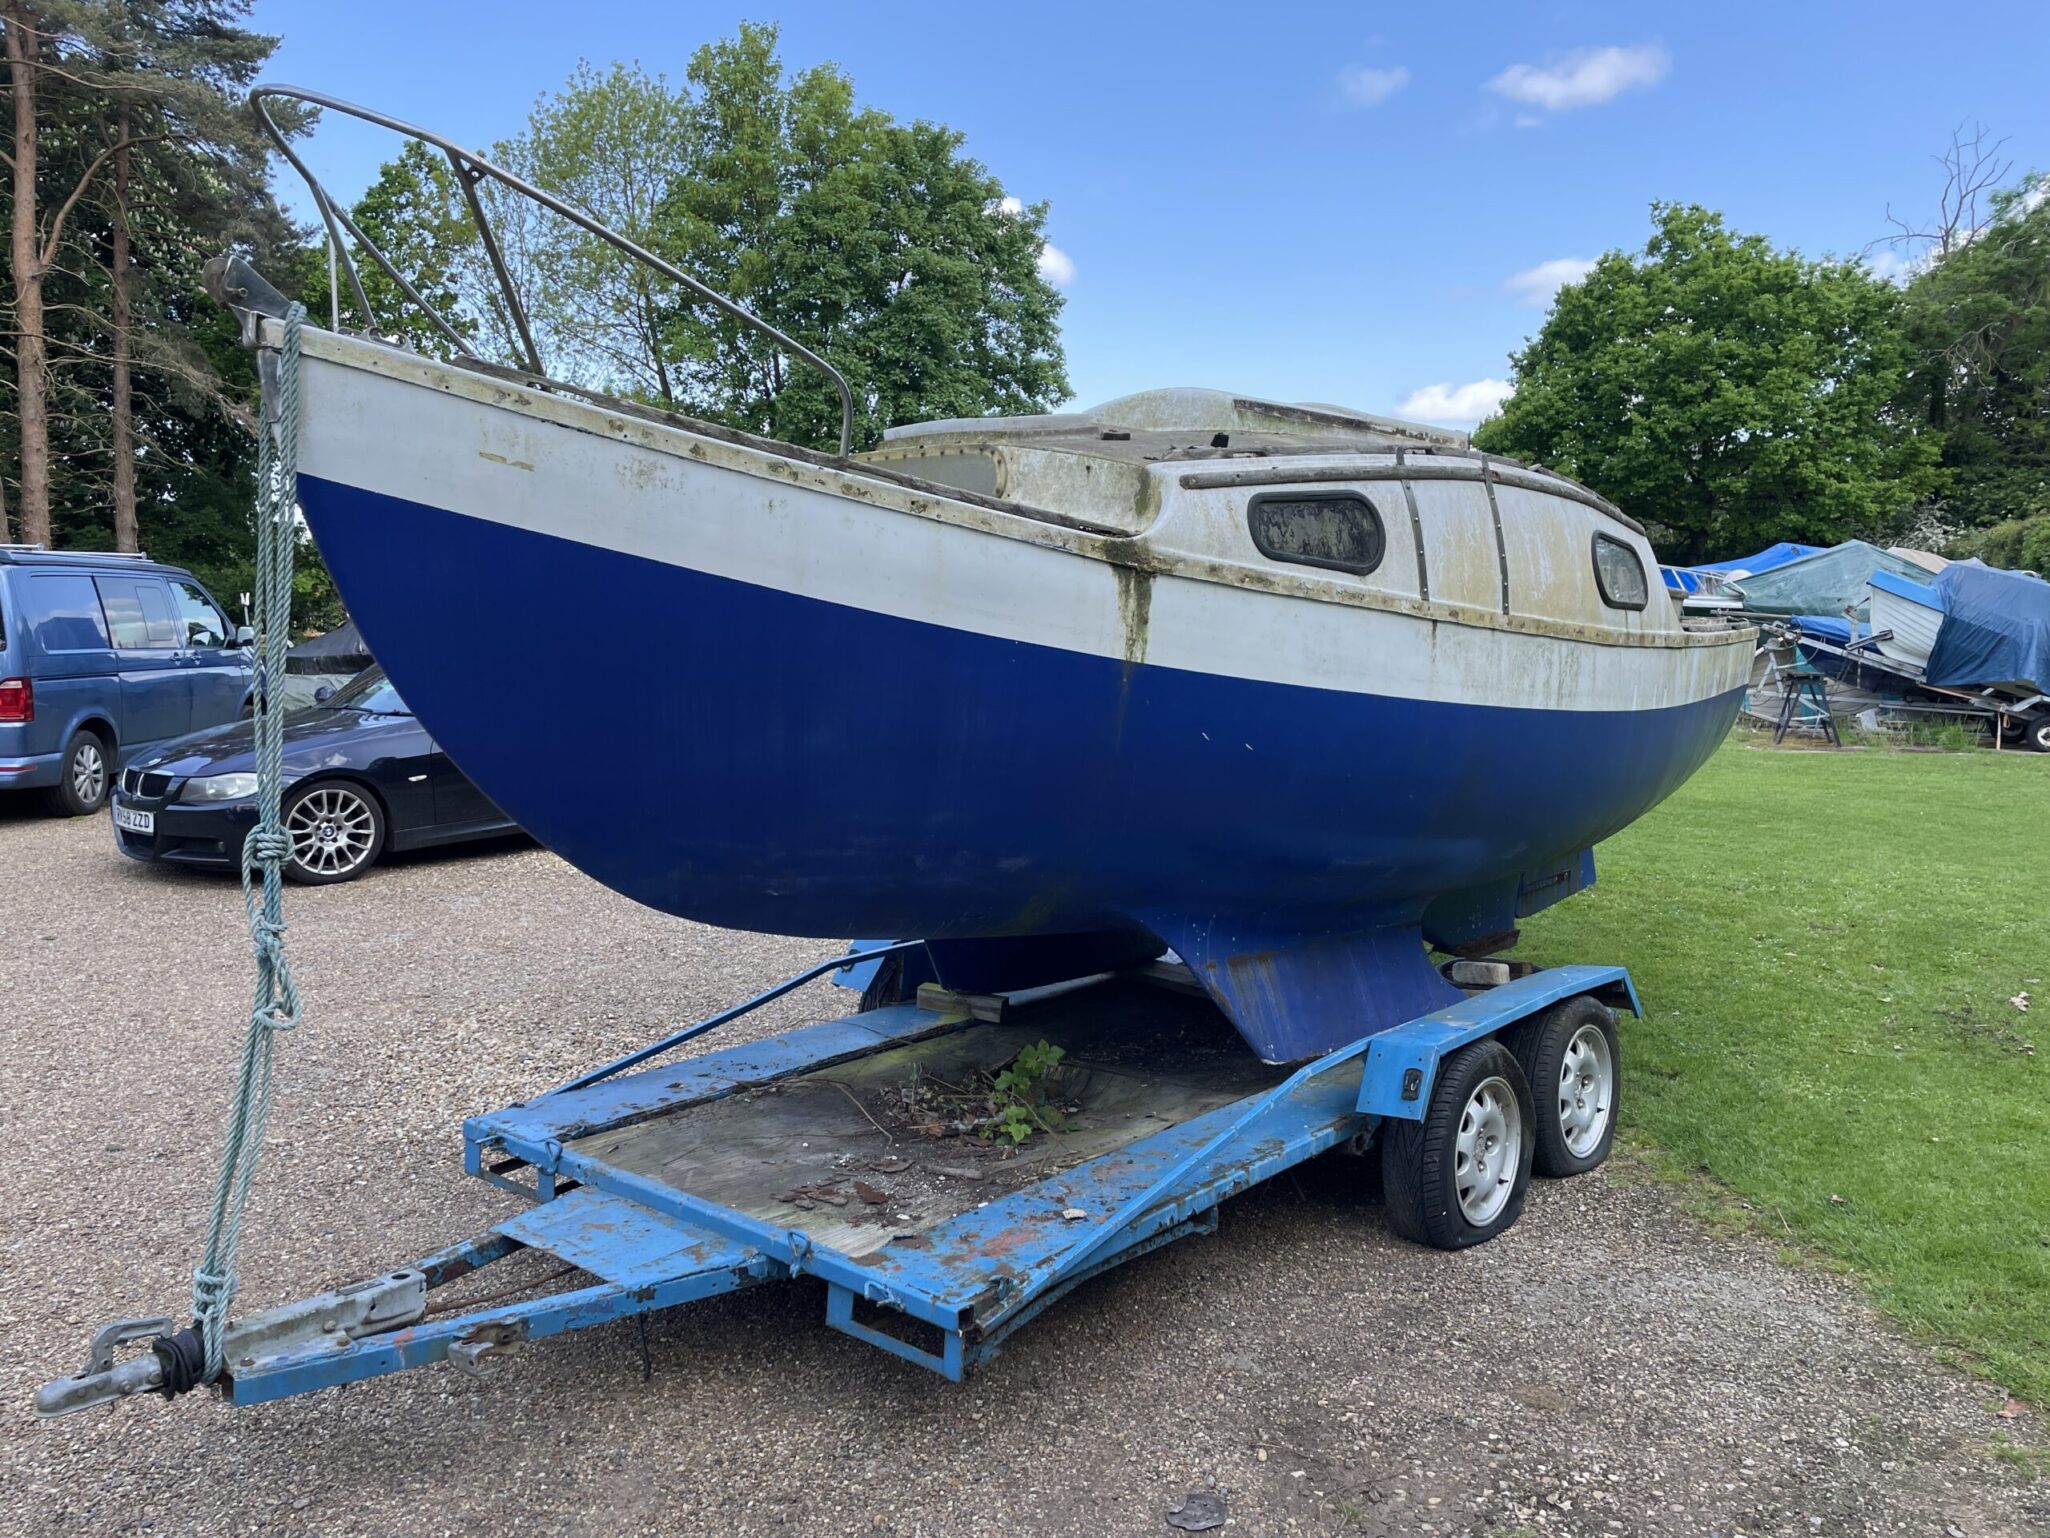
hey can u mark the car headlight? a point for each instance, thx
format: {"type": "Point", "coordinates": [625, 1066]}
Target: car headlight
{"type": "Point", "coordinates": [219, 787]}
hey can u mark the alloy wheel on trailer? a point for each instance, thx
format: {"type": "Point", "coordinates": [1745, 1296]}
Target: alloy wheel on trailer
{"type": "Point", "coordinates": [1587, 1078]}
{"type": "Point", "coordinates": [1459, 1176]}
{"type": "Point", "coordinates": [336, 832]}
{"type": "Point", "coordinates": [1572, 1059]}
{"type": "Point", "coordinates": [1488, 1151]}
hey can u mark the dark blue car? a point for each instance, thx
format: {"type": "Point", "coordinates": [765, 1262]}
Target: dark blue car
{"type": "Point", "coordinates": [361, 777]}
{"type": "Point", "coordinates": [100, 657]}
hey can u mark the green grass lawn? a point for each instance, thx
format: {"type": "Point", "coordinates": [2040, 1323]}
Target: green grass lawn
{"type": "Point", "coordinates": [1827, 944]}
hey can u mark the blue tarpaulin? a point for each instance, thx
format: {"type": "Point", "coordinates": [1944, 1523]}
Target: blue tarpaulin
{"type": "Point", "coordinates": [1835, 631]}
{"type": "Point", "coordinates": [1683, 578]}
{"type": "Point", "coordinates": [1765, 560]}
{"type": "Point", "coordinates": [1996, 629]}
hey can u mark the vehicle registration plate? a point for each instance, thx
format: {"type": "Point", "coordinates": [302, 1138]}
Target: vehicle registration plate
{"type": "Point", "coordinates": [135, 822]}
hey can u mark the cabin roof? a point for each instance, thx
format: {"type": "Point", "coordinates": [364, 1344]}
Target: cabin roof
{"type": "Point", "coordinates": [1154, 423]}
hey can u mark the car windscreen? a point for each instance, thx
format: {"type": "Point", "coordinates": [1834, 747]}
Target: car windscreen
{"type": "Point", "coordinates": [369, 691]}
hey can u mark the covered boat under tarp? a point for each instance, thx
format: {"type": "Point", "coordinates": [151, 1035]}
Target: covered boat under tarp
{"type": "Point", "coordinates": [324, 661]}
{"type": "Point", "coordinates": [1825, 582]}
{"type": "Point", "coordinates": [1710, 580]}
{"type": "Point", "coordinates": [1771, 558]}
{"type": "Point", "coordinates": [1996, 630]}
{"type": "Point", "coordinates": [1906, 614]}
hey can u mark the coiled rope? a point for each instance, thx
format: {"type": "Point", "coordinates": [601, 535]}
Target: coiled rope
{"type": "Point", "coordinates": [264, 853]}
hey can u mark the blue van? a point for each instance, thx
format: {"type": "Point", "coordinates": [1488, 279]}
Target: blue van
{"type": "Point", "coordinates": [100, 656]}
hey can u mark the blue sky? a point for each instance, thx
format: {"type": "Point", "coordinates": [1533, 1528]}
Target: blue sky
{"type": "Point", "coordinates": [1356, 204]}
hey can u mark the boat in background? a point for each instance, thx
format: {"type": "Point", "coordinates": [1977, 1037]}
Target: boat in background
{"type": "Point", "coordinates": [1291, 689]}
{"type": "Point", "coordinates": [1906, 616]}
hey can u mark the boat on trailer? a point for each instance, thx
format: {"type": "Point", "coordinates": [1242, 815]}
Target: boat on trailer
{"type": "Point", "coordinates": [1170, 729]}
{"type": "Point", "coordinates": [1290, 690]}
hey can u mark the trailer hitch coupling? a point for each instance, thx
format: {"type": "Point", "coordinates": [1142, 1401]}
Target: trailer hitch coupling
{"type": "Point", "coordinates": [172, 1365]}
{"type": "Point", "coordinates": [176, 1361]}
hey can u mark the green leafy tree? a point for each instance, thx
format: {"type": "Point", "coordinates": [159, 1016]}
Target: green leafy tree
{"type": "Point", "coordinates": [1978, 321]}
{"type": "Point", "coordinates": [1725, 393]}
{"type": "Point", "coordinates": [413, 213]}
{"type": "Point", "coordinates": [612, 144]}
{"type": "Point", "coordinates": [128, 410]}
{"type": "Point", "coordinates": [876, 243]}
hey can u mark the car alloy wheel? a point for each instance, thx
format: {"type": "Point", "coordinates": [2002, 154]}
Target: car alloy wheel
{"type": "Point", "coordinates": [88, 773]}
{"type": "Point", "coordinates": [334, 832]}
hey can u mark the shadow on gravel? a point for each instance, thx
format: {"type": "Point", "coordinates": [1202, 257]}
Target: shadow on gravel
{"type": "Point", "coordinates": [393, 865]}
{"type": "Point", "coordinates": [24, 806]}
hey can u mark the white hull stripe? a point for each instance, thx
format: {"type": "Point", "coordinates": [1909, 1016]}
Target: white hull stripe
{"type": "Point", "coordinates": [404, 440]}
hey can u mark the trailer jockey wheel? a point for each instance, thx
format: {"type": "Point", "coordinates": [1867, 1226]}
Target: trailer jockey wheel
{"type": "Point", "coordinates": [1570, 1056]}
{"type": "Point", "coordinates": [1458, 1177]}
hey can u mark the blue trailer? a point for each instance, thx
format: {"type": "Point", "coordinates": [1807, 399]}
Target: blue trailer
{"type": "Point", "coordinates": [825, 1152]}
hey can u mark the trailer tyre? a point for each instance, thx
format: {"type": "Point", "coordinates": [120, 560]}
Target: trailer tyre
{"type": "Point", "coordinates": [1459, 1176]}
{"type": "Point", "coordinates": [1573, 1064]}
{"type": "Point", "coordinates": [2039, 735]}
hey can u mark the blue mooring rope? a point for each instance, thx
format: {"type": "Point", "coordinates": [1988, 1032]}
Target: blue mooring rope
{"type": "Point", "coordinates": [276, 1005]}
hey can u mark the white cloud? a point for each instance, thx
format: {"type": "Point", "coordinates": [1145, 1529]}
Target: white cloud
{"type": "Point", "coordinates": [1895, 267]}
{"type": "Point", "coordinates": [1585, 77]}
{"type": "Point", "coordinates": [1536, 285]}
{"type": "Point", "coordinates": [1362, 86]}
{"type": "Point", "coordinates": [1463, 404]}
{"type": "Point", "coordinates": [1055, 265]}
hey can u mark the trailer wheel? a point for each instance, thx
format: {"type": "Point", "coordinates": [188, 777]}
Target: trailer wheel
{"type": "Point", "coordinates": [1458, 1177]}
{"type": "Point", "coordinates": [1570, 1056]}
{"type": "Point", "coordinates": [2039, 735]}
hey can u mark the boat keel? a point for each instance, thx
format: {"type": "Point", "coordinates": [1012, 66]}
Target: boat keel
{"type": "Point", "coordinates": [1294, 997]}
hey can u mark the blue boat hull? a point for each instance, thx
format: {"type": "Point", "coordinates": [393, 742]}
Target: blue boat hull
{"type": "Point", "coordinates": [761, 760]}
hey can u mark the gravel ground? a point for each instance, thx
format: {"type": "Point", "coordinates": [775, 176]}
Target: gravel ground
{"type": "Point", "coordinates": [1606, 1367]}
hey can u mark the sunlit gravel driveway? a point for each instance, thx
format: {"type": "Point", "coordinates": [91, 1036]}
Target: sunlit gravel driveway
{"type": "Point", "coordinates": [1608, 1367]}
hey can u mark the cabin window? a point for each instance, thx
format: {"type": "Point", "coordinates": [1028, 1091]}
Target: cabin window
{"type": "Point", "coordinates": [1619, 574]}
{"type": "Point", "coordinates": [1336, 529]}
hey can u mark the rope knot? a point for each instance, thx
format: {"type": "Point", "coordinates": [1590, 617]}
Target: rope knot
{"type": "Point", "coordinates": [268, 846]}
{"type": "Point", "coordinates": [212, 1292]}
{"type": "Point", "coordinates": [284, 1017]}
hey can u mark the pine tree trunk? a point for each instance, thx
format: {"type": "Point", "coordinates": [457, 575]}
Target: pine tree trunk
{"type": "Point", "coordinates": [126, 536]}
{"type": "Point", "coordinates": [23, 46]}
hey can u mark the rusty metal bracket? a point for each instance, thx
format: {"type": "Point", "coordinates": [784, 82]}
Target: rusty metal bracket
{"type": "Point", "coordinates": [479, 1349]}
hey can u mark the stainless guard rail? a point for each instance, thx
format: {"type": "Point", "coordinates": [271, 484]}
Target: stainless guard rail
{"type": "Point", "coordinates": [471, 168]}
